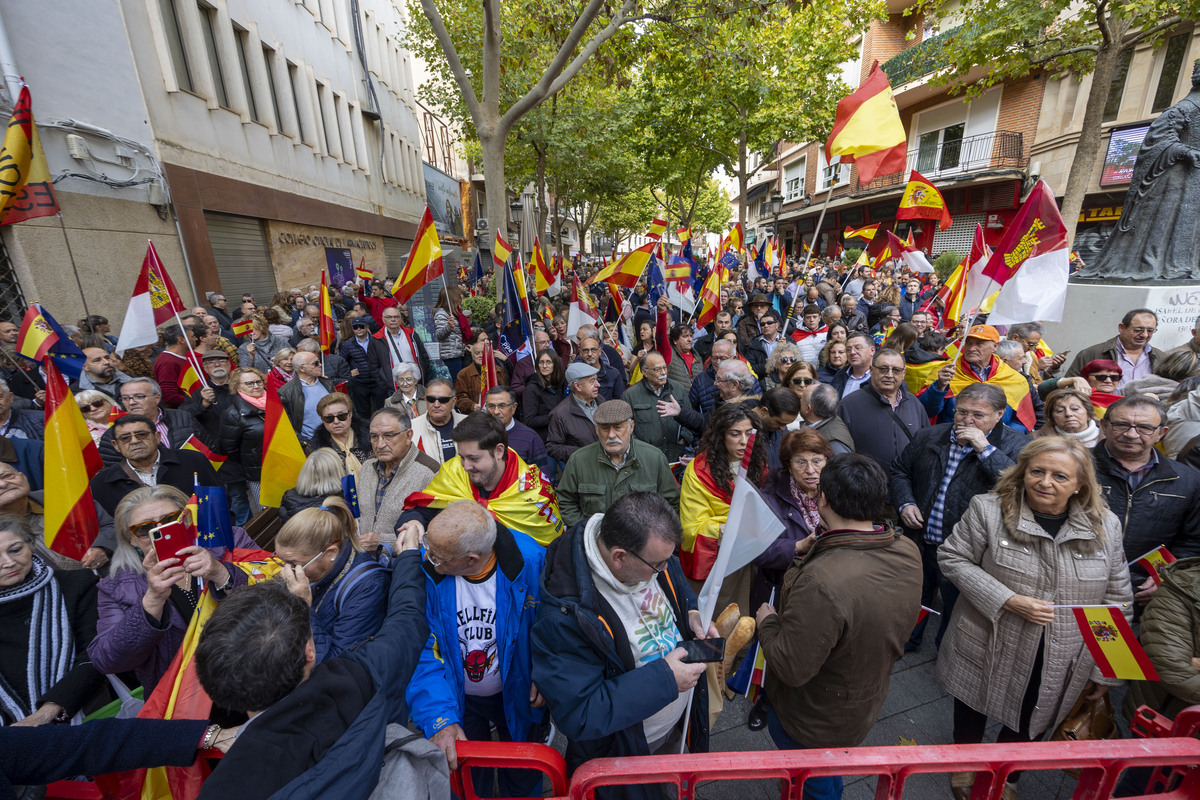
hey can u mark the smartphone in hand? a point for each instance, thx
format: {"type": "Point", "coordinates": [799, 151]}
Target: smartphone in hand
{"type": "Point", "coordinates": [169, 539]}
{"type": "Point", "coordinates": [703, 651]}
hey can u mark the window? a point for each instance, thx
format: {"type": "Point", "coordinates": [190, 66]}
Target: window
{"type": "Point", "coordinates": [1116, 90]}
{"type": "Point", "coordinates": [793, 180]}
{"type": "Point", "coordinates": [208, 23]}
{"type": "Point", "coordinates": [940, 150]}
{"type": "Point", "coordinates": [239, 36]}
{"type": "Point", "coordinates": [303, 122]}
{"type": "Point", "coordinates": [1169, 77]}
{"type": "Point", "coordinates": [174, 34]}
{"type": "Point", "coordinates": [269, 60]}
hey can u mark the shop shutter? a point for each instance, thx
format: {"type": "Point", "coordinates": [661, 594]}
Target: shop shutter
{"type": "Point", "coordinates": [395, 253]}
{"type": "Point", "coordinates": [239, 246]}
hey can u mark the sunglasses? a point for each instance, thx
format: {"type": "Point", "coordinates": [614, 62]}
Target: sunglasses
{"type": "Point", "coordinates": [433, 399]}
{"type": "Point", "coordinates": [803, 381]}
{"type": "Point", "coordinates": [1107, 376]}
{"type": "Point", "coordinates": [342, 417]}
{"type": "Point", "coordinates": [95, 405]}
{"type": "Point", "coordinates": [142, 529]}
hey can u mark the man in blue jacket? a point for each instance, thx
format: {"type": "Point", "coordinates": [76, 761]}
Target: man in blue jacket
{"type": "Point", "coordinates": [481, 587]}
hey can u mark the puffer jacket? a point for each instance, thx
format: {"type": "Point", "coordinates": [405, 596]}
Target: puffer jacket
{"type": "Point", "coordinates": [537, 402]}
{"type": "Point", "coordinates": [264, 350]}
{"type": "Point", "coordinates": [242, 438]}
{"type": "Point", "coordinates": [349, 603]}
{"type": "Point", "coordinates": [987, 657]}
{"type": "Point", "coordinates": [1163, 509]}
{"type": "Point", "coordinates": [448, 333]}
{"type": "Point", "coordinates": [1170, 635]}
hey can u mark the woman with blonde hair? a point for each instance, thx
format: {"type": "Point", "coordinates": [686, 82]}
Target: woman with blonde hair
{"type": "Point", "coordinates": [325, 566]}
{"type": "Point", "coordinates": [320, 477]}
{"type": "Point", "coordinates": [1070, 413]}
{"type": "Point", "coordinates": [1042, 540]}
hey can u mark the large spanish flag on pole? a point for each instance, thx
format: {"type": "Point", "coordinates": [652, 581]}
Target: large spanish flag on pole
{"type": "Point", "coordinates": [154, 301]}
{"type": "Point", "coordinates": [1112, 644]}
{"type": "Point", "coordinates": [628, 271]}
{"type": "Point", "coordinates": [424, 261]}
{"type": "Point", "coordinates": [72, 460]}
{"type": "Point", "coordinates": [542, 279]}
{"type": "Point", "coordinates": [868, 131]}
{"type": "Point", "coordinates": [282, 455]}
{"type": "Point", "coordinates": [922, 200]}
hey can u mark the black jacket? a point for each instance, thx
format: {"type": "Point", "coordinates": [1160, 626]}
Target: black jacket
{"type": "Point", "coordinates": [538, 402]}
{"type": "Point", "coordinates": [918, 472]}
{"type": "Point", "coordinates": [362, 439]}
{"type": "Point", "coordinates": [291, 394]}
{"type": "Point", "coordinates": [293, 503]}
{"type": "Point", "coordinates": [209, 419]}
{"type": "Point", "coordinates": [242, 439]}
{"type": "Point", "coordinates": [583, 664]}
{"type": "Point", "coordinates": [30, 423]}
{"type": "Point", "coordinates": [1163, 509]}
{"type": "Point", "coordinates": [379, 360]}
{"type": "Point", "coordinates": [356, 358]}
{"type": "Point", "coordinates": [876, 433]}
{"type": "Point", "coordinates": [182, 469]}
{"type": "Point", "coordinates": [180, 427]}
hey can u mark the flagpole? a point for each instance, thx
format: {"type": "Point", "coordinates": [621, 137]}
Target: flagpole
{"type": "Point", "coordinates": [74, 269]}
{"type": "Point", "coordinates": [807, 257]}
{"type": "Point", "coordinates": [20, 369]}
{"type": "Point", "coordinates": [188, 341]}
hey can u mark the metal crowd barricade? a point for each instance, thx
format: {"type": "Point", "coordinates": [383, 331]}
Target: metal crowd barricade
{"type": "Point", "coordinates": [517, 755]}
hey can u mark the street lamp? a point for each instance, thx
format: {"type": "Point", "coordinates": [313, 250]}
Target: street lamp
{"type": "Point", "coordinates": [516, 211]}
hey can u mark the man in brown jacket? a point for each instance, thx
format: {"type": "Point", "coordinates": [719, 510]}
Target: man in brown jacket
{"type": "Point", "coordinates": [849, 602]}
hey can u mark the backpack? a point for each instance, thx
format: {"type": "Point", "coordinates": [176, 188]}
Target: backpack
{"type": "Point", "coordinates": [413, 767]}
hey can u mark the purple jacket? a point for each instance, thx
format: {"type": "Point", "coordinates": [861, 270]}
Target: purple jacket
{"type": "Point", "coordinates": [522, 372]}
{"type": "Point", "coordinates": [125, 639]}
{"type": "Point", "coordinates": [775, 560]}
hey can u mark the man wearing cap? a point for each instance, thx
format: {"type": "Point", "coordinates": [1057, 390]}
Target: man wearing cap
{"type": "Point", "coordinates": [616, 464]}
{"type": "Point", "coordinates": [748, 327]}
{"type": "Point", "coordinates": [364, 390]}
{"type": "Point", "coordinates": [572, 421]}
{"type": "Point", "coordinates": [977, 363]}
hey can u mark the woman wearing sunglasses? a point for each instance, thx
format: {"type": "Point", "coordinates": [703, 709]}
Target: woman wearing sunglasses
{"type": "Point", "coordinates": [242, 431]}
{"type": "Point", "coordinates": [325, 566]}
{"type": "Point", "coordinates": [782, 358]}
{"type": "Point", "coordinates": [145, 604]}
{"type": "Point", "coordinates": [96, 406]}
{"type": "Point", "coordinates": [346, 434]}
{"type": "Point", "coordinates": [801, 377]}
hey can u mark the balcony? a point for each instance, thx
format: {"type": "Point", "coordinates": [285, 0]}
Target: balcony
{"type": "Point", "coordinates": [919, 60]}
{"type": "Point", "coordinates": [956, 158]}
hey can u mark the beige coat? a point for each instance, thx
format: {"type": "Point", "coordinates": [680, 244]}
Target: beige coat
{"type": "Point", "coordinates": [987, 656]}
{"type": "Point", "coordinates": [426, 438]}
{"type": "Point", "coordinates": [415, 472]}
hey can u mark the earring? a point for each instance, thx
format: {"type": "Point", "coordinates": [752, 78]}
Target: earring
{"type": "Point", "coordinates": [1076, 491]}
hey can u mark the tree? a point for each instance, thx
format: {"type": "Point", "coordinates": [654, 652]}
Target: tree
{"type": "Point", "coordinates": [627, 215]}
{"type": "Point", "coordinates": [1016, 37]}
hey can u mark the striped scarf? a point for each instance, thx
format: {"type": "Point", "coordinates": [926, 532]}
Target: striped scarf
{"type": "Point", "coordinates": [51, 646]}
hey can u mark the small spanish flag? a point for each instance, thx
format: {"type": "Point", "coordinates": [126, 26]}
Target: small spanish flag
{"type": "Point", "coordinates": [866, 233]}
{"type": "Point", "coordinates": [684, 233]}
{"type": "Point", "coordinates": [194, 444]}
{"type": "Point", "coordinates": [501, 250]}
{"type": "Point", "coordinates": [1153, 561]}
{"type": "Point", "coordinates": [361, 270]}
{"type": "Point", "coordinates": [657, 228]}
{"type": "Point", "coordinates": [1112, 644]}
{"type": "Point", "coordinates": [242, 326]}
{"type": "Point", "coordinates": [191, 512]}
{"type": "Point", "coordinates": [189, 381]}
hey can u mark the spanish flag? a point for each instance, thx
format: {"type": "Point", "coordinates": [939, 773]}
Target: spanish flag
{"type": "Point", "coordinates": [523, 500]}
{"type": "Point", "coordinates": [922, 200]}
{"type": "Point", "coordinates": [189, 380]}
{"type": "Point", "coordinates": [242, 327]}
{"type": "Point", "coordinates": [1014, 384]}
{"type": "Point", "coordinates": [424, 261]}
{"type": "Point", "coordinates": [542, 277]}
{"type": "Point", "coordinates": [29, 193]}
{"type": "Point", "coordinates": [282, 455]}
{"type": "Point", "coordinates": [72, 460]}
{"type": "Point", "coordinates": [36, 337]}
{"type": "Point", "coordinates": [735, 240]}
{"type": "Point", "coordinates": [1112, 644]}
{"type": "Point", "coordinates": [628, 270]}
{"type": "Point", "coordinates": [501, 250]}
{"type": "Point", "coordinates": [710, 296]}
{"type": "Point", "coordinates": [866, 233]}
{"type": "Point", "coordinates": [361, 270]}
{"type": "Point", "coordinates": [684, 233]}
{"type": "Point", "coordinates": [327, 333]}
{"type": "Point", "coordinates": [867, 129]}
{"type": "Point", "coordinates": [194, 444]}
{"type": "Point", "coordinates": [657, 228]}
{"type": "Point", "coordinates": [488, 379]}
{"type": "Point", "coordinates": [1155, 560]}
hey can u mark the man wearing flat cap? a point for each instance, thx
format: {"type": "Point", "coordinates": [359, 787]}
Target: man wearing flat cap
{"type": "Point", "coordinates": [571, 421]}
{"type": "Point", "coordinates": [616, 464]}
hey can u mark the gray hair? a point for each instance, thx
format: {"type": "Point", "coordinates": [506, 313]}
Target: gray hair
{"type": "Point", "coordinates": [308, 345]}
{"type": "Point", "coordinates": [153, 384]}
{"type": "Point", "coordinates": [19, 525]}
{"type": "Point", "coordinates": [780, 350]}
{"type": "Point", "coordinates": [731, 369]}
{"type": "Point", "coordinates": [396, 414]}
{"type": "Point", "coordinates": [4, 385]}
{"type": "Point", "coordinates": [1008, 348]}
{"type": "Point", "coordinates": [723, 343]}
{"type": "Point", "coordinates": [479, 535]}
{"type": "Point", "coordinates": [587, 332]}
{"type": "Point", "coordinates": [823, 401]}
{"type": "Point", "coordinates": [404, 368]}
{"type": "Point", "coordinates": [1023, 330]}
{"type": "Point", "coordinates": [126, 558]}
{"type": "Point", "coordinates": [502, 389]}
{"type": "Point", "coordinates": [210, 296]}
{"type": "Point", "coordinates": [984, 393]}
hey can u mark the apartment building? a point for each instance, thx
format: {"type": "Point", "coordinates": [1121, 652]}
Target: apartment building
{"type": "Point", "coordinates": [254, 141]}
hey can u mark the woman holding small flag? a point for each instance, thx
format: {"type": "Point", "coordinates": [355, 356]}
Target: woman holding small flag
{"type": "Point", "coordinates": [1043, 540]}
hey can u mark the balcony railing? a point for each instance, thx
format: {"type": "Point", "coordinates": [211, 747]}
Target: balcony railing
{"type": "Point", "coordinates": [956, 157]}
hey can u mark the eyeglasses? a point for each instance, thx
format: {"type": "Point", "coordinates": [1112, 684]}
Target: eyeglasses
{"type": "Point", "coordinates": [284, 563]}
{"type": "Point", "coordinates": [342, 417]}
{"type": "Point", "coordinates": [787, 359]}
{"type": "Point", "coordinates": [805, 463]}
{"type": "Point", "coordinates": [406, 381]}
{"type": "Point", "coordinates": [384, 437]}
{"type": "Point", "coordinates": [803, 381]}
{"type": "Point", "coordinates": [1142, 330]}
{"type": "Point", "coordinates": [655, 568]}
{"type": "Point", "coordinates": [125, 398]}
{"type": "Point", "coordinates": [1125, 427]}
{"type": "Point", "coordinates": [1106, 377]}
{"type": "Point", "coordinates": [140, 436]}
{"type": "Point", "coordinates": [889, 370]}
{"type": "Point", "coordinates": [770, 322]}
{"type": "Point", "coordinates": [438, 399]}
{"type": "Point", "coordinates": [95, 405]}
{"type": "Point", "coordinates": [253, 383]}
{"type": "Point", "coordinates": [432, 559]}
{"type": "Point", "coordinates": [656, 370]}
{"type": "Point", "coordinates": [142, 529]}
{"type": "Point", "coordinates": [498, 406]}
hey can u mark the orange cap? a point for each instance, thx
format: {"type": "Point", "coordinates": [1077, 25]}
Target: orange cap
{"type": "Point", "coordinates": [986, 332]}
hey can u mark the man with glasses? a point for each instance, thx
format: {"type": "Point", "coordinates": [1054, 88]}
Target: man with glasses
{"type": "Point", "coordinates": [758, 350]}
{"type": "Point", "coordinates": [978, 364]}
{"type": "Point", "coordinates": [301, 394]}
{"type": "Point", "coordinates": [174, 425]}
{"type": "Point", "coordinates": [501, 403]}
{"type": "Point", "coordinates": [883, 415]}
{"type": "Point", "coordinates": [860, 349]}
{"type": "Point", "coordinates": [662, 413]}
{"type": "Point", "coordinates": [433, 430]}
{"type": "Point", "coordinates": [1156, 499]}
{"type": "Point", "coordinates": [385, 481]}
{"type": "Point", "coordinates": [482, 593]}
{"type": "Point", "coordinates": [392, 345]}
{"type": "Point", "coordinates": [606, 655]}
{"type": "Point", "coordinates": [144, 463]}
{"type": "Point", "coordinates": [1131, 349]}
{"type": "Point", "coordinates": [938, 473]}
{"type": "Point", "coordinates": [611, 384]}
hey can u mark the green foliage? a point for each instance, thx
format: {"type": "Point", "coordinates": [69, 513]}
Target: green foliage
{"type": "Point", "coordinates": [918, 60]}
{"type": "Point", "coordinates": [946, 262]}
{"type": "Point", "coordinates": [627, 215]}
{"type": "Point", "coordinates": [849, 257]}
{"type": "Point", "coordinates": [482, 306]}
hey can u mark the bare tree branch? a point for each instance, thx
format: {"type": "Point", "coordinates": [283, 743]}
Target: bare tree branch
{"type": "Point", "coordinates": [456, 68]}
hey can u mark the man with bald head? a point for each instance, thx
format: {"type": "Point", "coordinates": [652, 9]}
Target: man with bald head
{"type": "Point", "coordinates": [482, 593]}
{"type": "Point", "coordinates": [301, 394]}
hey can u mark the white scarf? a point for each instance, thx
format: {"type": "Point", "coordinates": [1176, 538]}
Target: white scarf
{"type": "Point", "coordinates": [1086, 437]}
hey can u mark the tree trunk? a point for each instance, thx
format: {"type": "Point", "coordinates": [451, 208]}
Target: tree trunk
{"type": "Point", "coordinates": [1087, 151]}
{"type": "Point", "coordinates": [494, 184]}
{"type": "Point", "coordinates": [556, 236]}
{"type": "Point", "coordinates": [542, 209]}
{"type": "Point", "coordinates": [742, 181]}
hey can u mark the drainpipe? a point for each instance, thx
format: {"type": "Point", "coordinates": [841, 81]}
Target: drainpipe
{"type": "Point", "coordinates": [8, 65]}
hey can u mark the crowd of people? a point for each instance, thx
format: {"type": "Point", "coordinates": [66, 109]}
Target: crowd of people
{"type": "Point", "coordinates": [530, 535]}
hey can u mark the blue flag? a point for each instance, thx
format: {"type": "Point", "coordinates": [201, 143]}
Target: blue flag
{"type": "Point", "coordinates": [656, 285]}
{"type": "Point", "coordinates": [478, 271]}
{"type": "Point", "coordinates": [760, 261]}
{"type": "Point", "coordinates": [214, 528]}
{"type": "Point", "coordinates": [513, 334]}
{"type": "Point", "coordinates": [350, 492]}
{"type": "Point", "coordinates": [66, 354]}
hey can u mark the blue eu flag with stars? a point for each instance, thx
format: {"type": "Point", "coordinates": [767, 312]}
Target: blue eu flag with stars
{"type": "Point", "coordinates": [350, 492]}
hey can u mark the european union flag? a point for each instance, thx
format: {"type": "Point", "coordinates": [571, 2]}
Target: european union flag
{"type": "Point", "coordinates": [350, 492]}
{"type": "Point", "coordinates": [66, 354]}
{"type": "Point", "coordinates": [478, 276]}
{"type": "Point", "coordinates": [214, 528]}
{"type": "Point", "coordinates": [656, 286]}
{"type": "Point", "coordinates": [760, 261]}
{"type": "Point", "coordinates": [513, 335]}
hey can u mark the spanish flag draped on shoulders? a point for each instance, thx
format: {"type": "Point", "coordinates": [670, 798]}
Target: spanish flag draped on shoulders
{"type": "Point", "coordinates": [1019, 415]}
{"type": "Point", "coordinates": [703, 509]}
{"type": "Point", "coordinates": [523, 501]}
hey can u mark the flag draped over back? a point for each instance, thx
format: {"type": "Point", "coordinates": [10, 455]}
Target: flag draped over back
{"type": "Point", "coordinates": [922, 200]}
{"type": "Point", "coordinates": [282, 455]}
{"type": "Point", "coordinates": [1001, 375]}
{"type": "Point", "coordinates": [154, 301]}
{"type": "Point", "coordinates": [27, 189]}
{"type": "Point", "coordinates": [72, 460]}
{"type": "Point", "coordinates": [1112, 643]}
{"type": "Point", "coordinates": [424, 261]}
{"type": "Point", "coordinates": [867, 129]}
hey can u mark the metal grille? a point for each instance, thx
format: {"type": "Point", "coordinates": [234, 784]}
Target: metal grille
{"type": "Point", "coordinates": [243, 259]}
{"type": "Point", "coordinates": [395, 254]}
{"type": "Point", "coordinates": [12, 300]}
{"type": "Point", "coordinates": [960, 236]}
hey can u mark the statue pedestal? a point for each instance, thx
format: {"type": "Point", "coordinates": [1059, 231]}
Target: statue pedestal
{"type": "Point", "coordinates": [1093, 311]}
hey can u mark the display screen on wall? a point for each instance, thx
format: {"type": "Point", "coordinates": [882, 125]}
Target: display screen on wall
{"type": "Point", "coordinates": [1122, 153]}
{"type": "Point", "coordinates": [445, 202]}
{"type": "Point", "coordinates": [340, 263]}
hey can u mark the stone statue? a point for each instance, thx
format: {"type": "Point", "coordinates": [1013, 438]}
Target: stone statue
{"type": "Point", "coordinates": [1158, 236]}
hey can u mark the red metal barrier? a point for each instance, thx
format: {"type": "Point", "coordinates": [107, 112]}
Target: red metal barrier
{"type": "Point", "coordinates": [515, 755]}
{"type": "Point", "coordinates": [1101, 762]}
